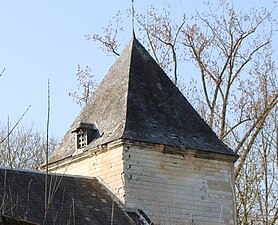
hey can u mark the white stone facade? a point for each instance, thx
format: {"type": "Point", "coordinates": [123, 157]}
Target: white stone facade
{"type": "Point", "coordinates": [176, 189]}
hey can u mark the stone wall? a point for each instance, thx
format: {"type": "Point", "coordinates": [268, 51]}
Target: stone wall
{"type": "Point", "coordinates": [176, 189]}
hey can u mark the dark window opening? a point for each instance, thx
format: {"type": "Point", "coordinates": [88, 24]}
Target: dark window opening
{"type": "Point", "coordinates": [85, 133]}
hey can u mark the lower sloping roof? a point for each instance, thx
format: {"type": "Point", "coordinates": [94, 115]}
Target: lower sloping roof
{"type": "Point", "coordinates": [72, 199]}
{"type": "Point", "coordinates": [7, 220]}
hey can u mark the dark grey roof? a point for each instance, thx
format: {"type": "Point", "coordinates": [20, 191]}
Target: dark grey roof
{"type": "Point", "coordinates": [137, 101]}
{"type": "Point", "coordinates": [74, 200]}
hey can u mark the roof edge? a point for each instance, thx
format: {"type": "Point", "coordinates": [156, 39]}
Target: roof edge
{"type": "Point", "coordinates": [167, 149]}
{"type": "Point", "coordinates": [131, 45]}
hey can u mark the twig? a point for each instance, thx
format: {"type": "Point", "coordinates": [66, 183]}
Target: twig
{"type": "Point", "coordinates": [9, 148]}
{"type": "Point", "coordinates": [15, 125]}
{"type": "Point", "coordinates": [2, 72]}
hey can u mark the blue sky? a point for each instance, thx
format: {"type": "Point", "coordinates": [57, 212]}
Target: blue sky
{"type": "Point", "coordinates": [43, 40]}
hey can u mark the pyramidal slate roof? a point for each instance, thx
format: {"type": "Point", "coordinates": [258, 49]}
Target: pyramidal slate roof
{"type": "Point", "coordinates": [137, 101]}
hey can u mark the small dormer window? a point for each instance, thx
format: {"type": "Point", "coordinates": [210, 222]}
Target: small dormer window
{"type": "Point", "coordinates": [85, 133]}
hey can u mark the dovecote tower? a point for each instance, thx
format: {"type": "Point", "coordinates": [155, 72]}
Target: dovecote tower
{"type": "Point", "coordinates": [144, 141]}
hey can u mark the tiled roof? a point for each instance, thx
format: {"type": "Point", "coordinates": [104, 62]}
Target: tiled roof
{"type": "Point", "coordinates": [137, 101]}
{"type": "Point", "coordinates": [73, 200]}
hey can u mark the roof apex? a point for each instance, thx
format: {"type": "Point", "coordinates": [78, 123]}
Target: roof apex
{"type": "Point", "coordinates": [137, 101]}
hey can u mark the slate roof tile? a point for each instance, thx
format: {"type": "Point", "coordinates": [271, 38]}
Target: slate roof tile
{"type": "Point", "coordinates": [73, 200]}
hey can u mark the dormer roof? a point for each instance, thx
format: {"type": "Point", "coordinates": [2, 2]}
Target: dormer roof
{"type": "Point", "coordinates": [137, 101]}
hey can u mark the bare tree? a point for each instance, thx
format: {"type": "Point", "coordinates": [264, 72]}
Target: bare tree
{"type": "Point", "coordinates": [24, 148]}
{"type": "Point", "coordinates": [257, 180]}
{"type": "Point", "coordinates": [108, 40]}
{"type": "Point", "coordinates": [224, 52]}
{"type": "Point", "coordinates": [86, 85]}
{"type": "Point", "coordinates": [257, 183]}
{"type": "Point", "coordinates": [161, 35]}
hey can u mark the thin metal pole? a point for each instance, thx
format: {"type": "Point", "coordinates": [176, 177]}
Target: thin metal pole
{"type": "Point", "coordinates": [133, 16]}
{"type": "Point", "coordinates": [47, 146]}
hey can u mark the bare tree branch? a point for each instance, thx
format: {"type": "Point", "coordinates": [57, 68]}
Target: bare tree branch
{"type": "Point", "coordinates": [15, 125]}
